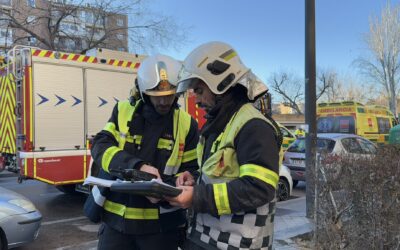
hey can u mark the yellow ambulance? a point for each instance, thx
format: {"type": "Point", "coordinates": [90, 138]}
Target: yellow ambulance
{"type": "Point", "coordinates": [369, 121]}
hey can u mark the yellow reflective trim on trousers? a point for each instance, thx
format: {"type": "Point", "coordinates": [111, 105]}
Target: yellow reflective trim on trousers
{"type": "Point", "coordinates": [130, 212]}
{"type": "Point", "coordinates": [189, 155]}
{"type": "Point", "coordinates": [110, 127]}
{"type": "Point", "coordinates": [261, 173]}
{"type": "Point", "coordinates": [108, 155]}
{"type": "Point", "coordinates": [221, 198]}
{"type": "Point", "coordinates": [165, 144]}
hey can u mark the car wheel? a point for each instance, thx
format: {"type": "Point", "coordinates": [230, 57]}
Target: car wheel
{"type": "Point", "coordinates": [283, 190]}
{"type": "Point", "coordinates": [67, 189]}
{"type": "Point", "coordinates": [295, 182]}
{"type": "Point", "coordinates": [3, 241]}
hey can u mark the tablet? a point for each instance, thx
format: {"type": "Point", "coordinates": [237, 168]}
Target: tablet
{"type": "Point", "coordinates": [146, 188]}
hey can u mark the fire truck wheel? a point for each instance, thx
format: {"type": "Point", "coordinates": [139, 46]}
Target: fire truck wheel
{"type": "Point", "coordinates": [67, 189]}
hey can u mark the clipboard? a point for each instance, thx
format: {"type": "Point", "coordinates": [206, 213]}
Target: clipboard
{"type": "Point", "coordinates": [151, 188]}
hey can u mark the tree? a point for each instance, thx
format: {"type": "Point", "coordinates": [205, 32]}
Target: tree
{"type": "Point", "coordinates": [291, 87]}
{"type": "Point", "coordinates": [383, 42]}
{"type": "Point", "coordinates": [82, 25]}
{"type": "Point", "coordinates": [347, 89]}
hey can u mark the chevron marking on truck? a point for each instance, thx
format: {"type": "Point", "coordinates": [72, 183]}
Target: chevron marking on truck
{"type": "Point", "coordinates": [83, 58]}
{"type": "Point", "coordinates": [7, 116]}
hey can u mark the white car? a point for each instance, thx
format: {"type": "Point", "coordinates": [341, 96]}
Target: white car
{"type": "Point", "coordinates": [19, 220]}
{"type": "Point", "coordinates": [285, 184]}
{"type": "Point", "coordinates": [332, 144]}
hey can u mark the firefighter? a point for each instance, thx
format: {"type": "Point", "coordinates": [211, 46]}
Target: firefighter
{"type": "Point", "coordinates": [152, 135]}
{"type": "Point", "coordinates": [299, 132]}
{"type": "Point", "coordinates": [238, 154]}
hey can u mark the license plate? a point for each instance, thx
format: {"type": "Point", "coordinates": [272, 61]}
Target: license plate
{"type": "Point", "coordinates": [298, 162]}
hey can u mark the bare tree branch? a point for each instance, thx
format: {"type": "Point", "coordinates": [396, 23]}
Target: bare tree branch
{"type": "Point", "coordinates": [291, 88]}
{"type": "Point", "coordinates": [383, 41]}
{"type": "Point", "coordinates": [88, 24]}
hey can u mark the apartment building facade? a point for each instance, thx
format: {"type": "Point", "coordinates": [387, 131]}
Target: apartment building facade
{"type": "Point", "coordinates": [60, 25]}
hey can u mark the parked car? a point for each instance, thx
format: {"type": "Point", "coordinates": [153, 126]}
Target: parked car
{"type": "Point", "coordinates": [19, 220]}
{"type": "Point", "coordinates": [285, 184]}
{"type": "Point", "coordinates": [331, 144]}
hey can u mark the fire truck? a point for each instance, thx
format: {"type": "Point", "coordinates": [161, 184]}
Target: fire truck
{"type": "Point", "coordinates": [53, 103]}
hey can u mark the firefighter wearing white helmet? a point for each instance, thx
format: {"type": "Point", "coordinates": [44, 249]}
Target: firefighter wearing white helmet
{"type": "Point", "coordinates": [151, 135]}
{"type": "Point", "coordinates": [238, 154]}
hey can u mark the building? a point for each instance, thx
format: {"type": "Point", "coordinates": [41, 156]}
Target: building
{"type": "Point", "coordinates": [290, 121]}
{"type": "Point", "coordinates": [281, 108]}
{"type": "Point", "coordinates": [287, 116]}
{"type": "Point", "coordinates": [61, 26]}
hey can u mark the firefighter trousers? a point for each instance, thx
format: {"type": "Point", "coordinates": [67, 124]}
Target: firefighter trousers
{"type": "Point", "coordinates": [110, 239]}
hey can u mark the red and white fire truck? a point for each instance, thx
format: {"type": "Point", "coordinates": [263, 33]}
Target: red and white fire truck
{"type": "Point", "coordinates": [52, 103]}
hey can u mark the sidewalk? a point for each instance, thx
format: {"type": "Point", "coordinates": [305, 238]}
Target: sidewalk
{"type": "Point", "coordinates": [290, 221]}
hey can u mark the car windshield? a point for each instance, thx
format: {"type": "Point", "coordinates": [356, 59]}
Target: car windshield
{"type": "Point", "coordinates": [323, 145]}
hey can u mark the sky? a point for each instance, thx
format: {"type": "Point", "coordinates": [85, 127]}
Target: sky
{"type": "Point", "coordinates": [269, 34]}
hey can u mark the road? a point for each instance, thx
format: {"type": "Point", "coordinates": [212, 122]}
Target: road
{"type": "Point", "coordinates": [64, 226]}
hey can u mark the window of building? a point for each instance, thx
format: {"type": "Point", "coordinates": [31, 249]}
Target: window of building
{"type": "Point", "coordinates": [31, 3]}
{"type": "Point", "coordinates": [31, 19]}
{"type": "Point", "coordinates": [59, 1]}
{"type": "Point", "coordinates": [70, 28]}
{"type": "Point", "coordinates": [56, 14]}
{"type": "Point", "coordinates": [120, 22]}
{"type": "Point", "coordinates": [4, 32]}
{"type": "Point", "coordinates": [4, 19]}
{"type": "Point", "coordinates": [5, 2]}
{"type": "Point", "coordinates": [121, 49]}
{"type": "Point", "coordinates": [120, 36]}
{"type": "Point", "coordinates": [32, 40]}
{"type": "Point", "coordinates": [6, 36]}
{"type": "Point", "coordinates": [69, 44]}
{"type": "Point", "coordinates": [89, 17]}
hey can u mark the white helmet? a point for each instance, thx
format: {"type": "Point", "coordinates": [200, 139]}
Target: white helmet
{"type": "Point", "coordinates": [220, 67]}
{"type": "Point", "coordinates": [158, 75]}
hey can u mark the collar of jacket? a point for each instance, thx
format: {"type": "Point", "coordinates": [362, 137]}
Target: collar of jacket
{"type": "Point", "coordinates": [221, 113]}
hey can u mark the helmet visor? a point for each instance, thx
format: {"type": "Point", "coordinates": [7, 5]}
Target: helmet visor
{"type": "Point", "coordinates": [255, 87]}
{"type": "Point", "coordinates": [188, 81]}
{"type": "Point", "coordinates": [163, 88]}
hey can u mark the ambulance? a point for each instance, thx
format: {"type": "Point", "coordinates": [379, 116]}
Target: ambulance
{"type": "Point", "coordinates": [372, 122]}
